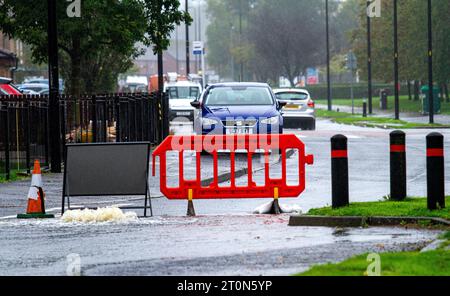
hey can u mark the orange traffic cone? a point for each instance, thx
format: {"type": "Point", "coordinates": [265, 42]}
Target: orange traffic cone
{"type": "Point", "coordinates": [36, 204]}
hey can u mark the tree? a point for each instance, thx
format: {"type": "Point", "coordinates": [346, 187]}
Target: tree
{"type": "Point", "coordinates": [100, 44]}
{"type": "Point", "coordinates": [228, 44]}
{"type": "Point", "coordinates": [413, 40]}
{"type": "Point", "coordinates": [288, 38]}
{"type": "Point", "coordinates": [161, 17]}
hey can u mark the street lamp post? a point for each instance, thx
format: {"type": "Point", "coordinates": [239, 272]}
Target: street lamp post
{"type": "Point", "coordinates": [54, 119]}
{"type": "Point", "coordinates": [369, 61]}
{"type": "Point", "coordinates": [231, 56]}
{"type": "Point", "coordinates": [328, 57]}
{"type": "Point", "coordinates": [397, 86]}
{"type": "Point", "coordinates": [188, 51]}
{"type": "Point", "coordinates": [241, 76]}
{"type": "Point", "coordinates": [430, 64]}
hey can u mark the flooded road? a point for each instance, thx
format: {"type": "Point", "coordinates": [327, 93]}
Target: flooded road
{"type": "Point", "coordinates": [225, 238]}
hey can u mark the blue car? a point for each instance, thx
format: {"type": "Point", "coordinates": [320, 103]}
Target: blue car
{"type": "Point", "coordinates": [238, 108]}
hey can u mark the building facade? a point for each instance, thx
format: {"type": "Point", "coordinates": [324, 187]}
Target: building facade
{"type": "Point", "coordinates": [10, 52]}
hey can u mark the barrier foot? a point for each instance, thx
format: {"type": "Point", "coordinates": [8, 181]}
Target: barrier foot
{"type": "Point", "coordinates": [191, 210]}
{"type": "Point", "coordinates": [275, 210]}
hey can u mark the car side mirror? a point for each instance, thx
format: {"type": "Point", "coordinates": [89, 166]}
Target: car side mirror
{"type": "Point", "coordinates": [282, 104]}
{"type": "Point", "coordinates": [196, 104]}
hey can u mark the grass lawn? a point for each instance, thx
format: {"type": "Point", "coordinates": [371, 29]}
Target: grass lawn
{"type": "Point", "coordinates": [348, 118]}
{"type": "Point", "coordinates": [414, 207]}
{"type": "Point", "coordinates": [433, 263]}
{"type": "Point", "coordinates": [405, 104]}
{"type": "Point", "coordinates": [14, 176]}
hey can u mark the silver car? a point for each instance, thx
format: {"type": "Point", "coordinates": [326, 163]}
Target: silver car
{"type": "Point", "coordinates": [299, 111]}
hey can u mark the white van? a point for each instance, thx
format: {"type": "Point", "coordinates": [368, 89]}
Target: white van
{"type": "Point", "coordinates": [181, 94]}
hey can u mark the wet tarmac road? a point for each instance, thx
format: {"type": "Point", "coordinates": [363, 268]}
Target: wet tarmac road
{"type": "Point", "coordinates": [205, 245]}
{"type": "Point", "coordinates": [225, 239]}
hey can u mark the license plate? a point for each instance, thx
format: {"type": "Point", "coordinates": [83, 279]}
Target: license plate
{"type": "Point", "coordinates": [183, 113]}
{"type": "Point", "coordinates": [239, 131]}
{"type": "Point", "coordinates": [293, 106]}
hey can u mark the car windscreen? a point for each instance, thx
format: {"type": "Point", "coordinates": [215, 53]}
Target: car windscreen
{"type": "Point", "coordinates": [239, 96]}
{"type": "Point", "coordinates": [292, 96]}
{"type": "Point", "coordinates": [183, 92]}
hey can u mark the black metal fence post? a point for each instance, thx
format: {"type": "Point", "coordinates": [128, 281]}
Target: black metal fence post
{"type": "Point", "coordinates": [435, 171]}
{"type": "Point", "coordinates": [45, 114]}
{"type": "Point", "coordinates": [165, 104]}
{"type": "Point", "coordinates": [118, 121]}
{"type": "Point", "coordinates": [7, 145]}
{"type": "Point", "coordinates": [94, 119]}
{"type": "Point", "coordinates": [339, 171]}
{"type": "Point", "coordinates": [27, 135]}
{"type": "Point", "coordinates": [398, 165]}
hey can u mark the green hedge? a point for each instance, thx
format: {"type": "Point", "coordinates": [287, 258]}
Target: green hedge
{"type": "Point", "coordinates": [342, 91]}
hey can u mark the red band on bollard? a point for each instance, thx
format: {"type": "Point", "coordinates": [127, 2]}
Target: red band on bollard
{"type": "Point", "coordinates": [339, 154]}
{"type": "Point", "coordinates": [436, 152]}
{"type": "Point", "coordinates": [398, 148]}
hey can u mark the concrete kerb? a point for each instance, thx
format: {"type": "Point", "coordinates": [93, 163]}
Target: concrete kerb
{"type": "Point", "coordinates": [355, 221]}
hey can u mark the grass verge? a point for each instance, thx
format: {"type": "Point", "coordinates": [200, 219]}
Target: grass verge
{"type": "Point", "coordinates": [15, 175]}
{"type": "Point", "coordinates": [405, 104]}
{"type": "Point", "coordinates": [433, 263]}
{"type": "Point", "coordinates": [411, 207]}
{"type": "Point", "coordinates": [380, 122]}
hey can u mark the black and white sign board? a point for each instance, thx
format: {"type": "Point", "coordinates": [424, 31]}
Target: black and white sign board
{"type": "Point", "coordinates": [107, 169]}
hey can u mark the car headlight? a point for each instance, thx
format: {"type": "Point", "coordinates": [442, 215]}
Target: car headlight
{"type": "Point", "coordinates": [271, 120]}
{"type": "Point", "coordinates": [209, 121]}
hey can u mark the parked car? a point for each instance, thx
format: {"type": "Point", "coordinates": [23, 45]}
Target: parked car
{"type": "Point", "coordinates": [46, 82]}
{"type": "Point", "coordinates": [299, 111]}
{"type": "Point", "coordinates": [29, 92]}
{"type": "Point", "coordinates": [181, 94]}
{"type": "Point", "coordinates": [238, 108]}
{"type": "Point", "coordinates": [44, 92]}
{"type": "Point", "coordinates": [7, 88]}
{"type": "Point", "coordinates": [36, 87]}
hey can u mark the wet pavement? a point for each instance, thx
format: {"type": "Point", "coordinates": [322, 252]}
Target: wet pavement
{"type": "Point", "coordinates": [225, 238]}
{"type": "Point", "coordinates": [412, 117]}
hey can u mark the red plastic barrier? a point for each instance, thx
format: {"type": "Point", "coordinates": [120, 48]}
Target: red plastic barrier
{"type": "Point", "coordinates": [273, 188]}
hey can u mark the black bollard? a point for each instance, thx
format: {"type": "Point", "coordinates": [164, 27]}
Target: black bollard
{"type": "Point", "coordinates": [365, 109]}
{"type": "Point", "coordinates": [398, 166]}
{"type": "Point", "coordinates": [435, 171]}
{"type": "Point", "coordinates": [339, 171]}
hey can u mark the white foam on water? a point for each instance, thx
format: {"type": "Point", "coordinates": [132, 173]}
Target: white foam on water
{"type": "Point", "coordinates": [109, 214]}
{"type": "Point", "coordinates": [286, 209]}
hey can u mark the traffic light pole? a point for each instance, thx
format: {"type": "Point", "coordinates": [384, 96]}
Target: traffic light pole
{"type": "Point", "coordinates": [430, 64]}
{"type": "Point", "coordinates": [54, 119]}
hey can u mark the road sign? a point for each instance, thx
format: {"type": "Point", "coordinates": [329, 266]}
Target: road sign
{"type": "Point", "coordinates": [351, 62]}
{"type": "Point", "coordinates": [197, 47]}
